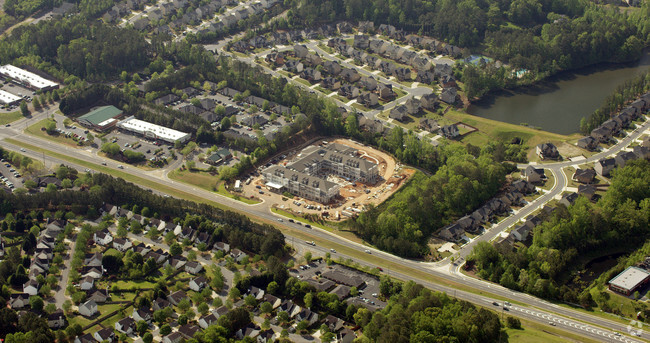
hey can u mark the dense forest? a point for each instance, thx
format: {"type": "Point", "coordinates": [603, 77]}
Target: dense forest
{"type": "Point", "coordinates": [617, 222]}
{"type": "Point", "coordinates": [542, 36]}
{"type": "Point", "coordinates": [628, 91]}
{"type": "Point", "coordinates": [88, 50]}
{"type": "Point", "coordinates": [403, 224]}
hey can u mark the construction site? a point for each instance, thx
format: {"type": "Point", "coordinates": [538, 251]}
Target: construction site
{"type": "Point", "coordinates": [335, 179]}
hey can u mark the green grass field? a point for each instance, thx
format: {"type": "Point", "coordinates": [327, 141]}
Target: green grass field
{"type": "Point", "coordinates": [6, 118]}
{"type": "Point", "coordinates": [35, 130]}
{"type": "Point", "coordinates": [223, 191]}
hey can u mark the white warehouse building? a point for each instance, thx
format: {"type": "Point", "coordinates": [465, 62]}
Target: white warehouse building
{"type": "Point", "coordinates": [7, 98]}
{"type": "Point", "coordinates": [27, 78]}
{"type": "Point", "coordinates": [153, 131]}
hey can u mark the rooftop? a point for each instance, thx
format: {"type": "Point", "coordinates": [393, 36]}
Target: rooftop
{"type": "Point", "coordinates": [101, 114]}
{"type": "Point", "coordinates": [149, 129]}
{"type": "Point", "coordinates": [26, 76]}
{"type": "Point", "coordinates": [7, 98]}
{"type": "Point", "coordinates": [630, 278]}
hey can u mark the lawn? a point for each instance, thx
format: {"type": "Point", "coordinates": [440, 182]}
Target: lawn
{"type": "Point", "coordinates": [6, 118]}
{"type": "Point", "coordinates": [223, 191]}
{"type": "Point", "coordinates": [537, 333]}
{"type": "Point", "coordinates": [106, 309]}
{"type": "Point", "coordinates": [81, 320]}
{"type": "Point", "coordinates": [121, 284]}
{"type": "Point", "coordinates": [35, 130]}
{"type": "Point", "coordinates": [323, 90]}
{"type": "Point", "coordinates": [303, 81]}
{"type": "Point", "coordinates": [343, 233]}
{"type": "Point", "coordinates": [196, 178]}
{"type": "Point", "coordinates": [110, 322]}
{"type": "Point", "coordinates": [360, 107]}
{"type": "Point", "coordinates": [550, 180]}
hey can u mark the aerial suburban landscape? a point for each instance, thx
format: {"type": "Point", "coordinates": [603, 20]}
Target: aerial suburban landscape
{"type": "Point", "coordinates": [324, 171]}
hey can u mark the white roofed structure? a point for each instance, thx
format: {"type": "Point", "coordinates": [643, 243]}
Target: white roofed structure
{"type": "Point", "coordinates": [27, 78]}
{"type": "Point", "coordinates": [153, 131]}
{"type": "Point", "coordinates": [8, 98]}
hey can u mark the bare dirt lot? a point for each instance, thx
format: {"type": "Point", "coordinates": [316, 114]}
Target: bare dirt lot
{"type": "Point", "coordinates": [354, 196]}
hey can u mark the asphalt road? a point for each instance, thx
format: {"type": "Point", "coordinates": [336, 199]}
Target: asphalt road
{"type": "Point", "coordinates": [538, 310]}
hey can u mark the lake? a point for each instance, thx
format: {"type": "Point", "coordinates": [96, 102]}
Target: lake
{"type": "Point", "coordinates": [558, 103]}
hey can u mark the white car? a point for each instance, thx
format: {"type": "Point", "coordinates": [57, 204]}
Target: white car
{"type": "Point", "coordinates": [332, 250]}
{"type": "Point", "coordinates": [280, 220]}
{"type": "Point", "coordinates": [367, 251]}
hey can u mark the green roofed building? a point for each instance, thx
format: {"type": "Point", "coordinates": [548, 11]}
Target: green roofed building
{"type": "Point", "coordinates": [219, 157]}
{"type": "Point", "coordinates": [101, 118]}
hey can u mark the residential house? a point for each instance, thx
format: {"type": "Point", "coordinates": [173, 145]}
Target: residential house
{"type": "Point", "coordinates": [207, 320]}
{"type": "Point", "coordinates": [587, 143]}
{"type": "Point", "coordinates": [547, 151]}
{"type": "Point", "coordinates": [387, 68]}
{"type": "Point", "coordinates": [193, 267]}
{"type": "Point", "coordinates": [87, 283]}
{"type": "Point", "coordinates": [568, 199]}
{"type": "Point", "coordinates": [366, 26]}
{"type": "Point", "coordinates": [18, 300]}
{"type": "Point", "coordinates": [368, 99]}
{"type": "Point", "coordinates": [403, 74]}
{"type": "Point", "coordinates": [313, 60]}
{"type": "Point", "coordinates": [98, 295]}
{"type": "Point", "coordinates": [143, 314]}
{"type": "Point", "coordinates": [533, 174]}
{"type": "Point", "coordinates": [349, 91]}
{"type": "Point", "coordinates": [88, 309]}
{"type": "Point", "coordinates": [331, 83]}
{"type": "Point", "coordinates": [176, 297]}
{"type": "Point", "coordinates": [56, 319]}
{"type": "Point", "coordinates": [641, 152]}
{"type": "Point", "coordinates": [332, 67]}
{"type": "Point", "coordinates": [425, 76]}
{"type": "Point", "coordinates": [294, 66]}
{"type": "Point", "coordinates": [307, 315]}
{"type": "Point", "coordinates": [623, 157]}
{"type": "Point", "coordinates": [601, 134]}
{"type": "Point", "coordinates": [221, 246]}
{"type": "Point", "coordinates": [452, 233]}
{"type": "Point", "coordinates": [189, 330]}
{"type": "Point", "coordinates": [368, 82]}
{"type": "Point", "coordinates": [86, 338]}
{"type": "Point", "coordinates": [429, 101]}
{"type": "Point", "coordinates": [604, 166]}
{"type": "Point", "coordinates": [334, 323]}
{"type": "Point", "coordinates": [122, 244]}
{"type": "Point", "coordinates": [413, 106]}
{"type": "Point", "coordinates": [450, 131]}
{"type": "Point", "coordinates": [273, 300]}
{"type": "Point", "coordinates": [174, 337]}
{"type": "Point", "coordinates": [310, 74]}
{"type": "Point", "coordinates": [160, 304]}
{"type": "Point", "coordinates": [105, 335]}
{"type": "Point", "coordinates": [448, 95]}
{"type": "Point", "coordinates": [399, 113]}
{"type": "Point", "coordinates": [102, 237]}
{"type": "Point", "coordinates": [584, 175]}
{"type": "Point", "coordinates": [31, 287]}
{"type": "Point", "coordinates": [385, 91]}
{"type": "Point", "coordinates": [350, 75]}
{"type": "Point", "coordinates": [346, 336]}
{"type": "Point", "coordinates": [251, 330]}
{"type": "Point", "coordinates": [265, 336]}
{"type": "Point", "coordinates": [429, 124]}
{"type": "Point", "coordinates": [300, 51]}
{"type": "Point", "coordinates": [93, 272]}
{"type": "Point", "coordinates": [341, 291]}
{"type": "Point", "coordinates": [238, 255]}
{"type": "Point", "coordinates": [125, 325]}
{"type": "Point", "coordinates": [176, 262]}
{"type": "Point", "coordinates": [290, 308]}
{"type": "Point", "coordinates": [588, 191]}
{"type": "Point", "coordinates": [361, 41]}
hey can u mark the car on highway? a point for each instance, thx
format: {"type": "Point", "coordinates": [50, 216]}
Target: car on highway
{"type": "Point", "coordinates": [495, 303]}
{"type": "Point", "coordinates": [308, 226]}
{"type": "Point", "coordinates": [332, 250]}
{"type": "Point", "coordinates": [367, 251]}
{"type": "Point", "coordinates": [120, 166]}
{"type": "Point", "coordinates": [87, 170]}
{"type": "Point", "coordinates": [280, 220]}
{"type": "Point", "coordinates": [22, 149]}
{"type": "Point", "coordinates": [290, 220]}
{"type": "Point", "coordinates": [551, 323]}
{"type": "Point", "coordinates": [103, 163]}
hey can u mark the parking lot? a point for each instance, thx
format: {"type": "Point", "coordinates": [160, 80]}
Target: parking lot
{"type": "Point", "coordinates": [10, 178]}
{"type": "Point", "coordinates": [15, 90]}
{"type": "Point", "coordinates": [368, 293]}
{"type": "Point", "coordinates": [149, 148]}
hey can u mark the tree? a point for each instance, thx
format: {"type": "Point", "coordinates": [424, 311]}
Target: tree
{"type": "Point", "coordinates": [513, 323]}
{"type": "Point", "coordinates": [308, 256]}
{"type": "Point", "coordinates": [90, 138]}
{"type": "Point", "coordinates": [141, 327]}
{"type": "Point", "coordinates": [121, 232]}
{"type": "Point", "coordinates": [266, 307]}
{"type": "Point", "coordinates": [36, 303]}
{"type": "Point", "coordinates": [23, 108]}
{"type": "Point", "coordinates": [50, 127]}
{"type": "Point", "coordinates": [36, 103]}
{"type": "Point", "coordinates": [165, 330]}
{"type": "Point", "coordinates": [148, 337]}
{"type": "Point", "coordinates": [191, 255]}
{"type": "Point", "coordinates": [170, 237]}
{"type": "Point", "coordinates": [203, 308]}
{"type": "Point", "coordinates": [250, 301]}
{"type": "Point", "coordinates": [175, 249]}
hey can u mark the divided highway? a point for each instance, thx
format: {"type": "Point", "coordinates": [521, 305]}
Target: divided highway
{"type": "Point", "coordinates": [446, 272]}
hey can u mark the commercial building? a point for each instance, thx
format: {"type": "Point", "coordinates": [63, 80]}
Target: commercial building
{"type": "Point", "coordinates": [153, 131]}
{"type": "Point", "coordinates": [101, 118]}
{"type": "Point", "coordinates": [7, 98]}
{"type": "Point", "coordinates": [27, 78]}
{"type": "Point", "coordinates": [629, 280]}
{"type": "Point", "coordinates": [304, 177]}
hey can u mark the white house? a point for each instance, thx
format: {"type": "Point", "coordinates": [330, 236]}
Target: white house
{"type": "Point", "coordinates": [31, 287]}
{"type": "Point", "coordinates": [142, 314]}
{"type": "Point", "coordinates": [208, 320]}
{"type": "Point", "coordinates": [88, 309]}
{"type": "Point", "coordinates": [87, 283]}
{"type": "Point", "coordinates": [256, 292]}
{"type": "Point", "coordinates": [122, 244]}
{"type": "Point", "coordinates": [106, 334]}
{"type": "Point", "coordinates": [197, 284]}
{"type": "Point", "coordinates": [193, 267]}
{"type": "Point", "coordinates": [103, 237]}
